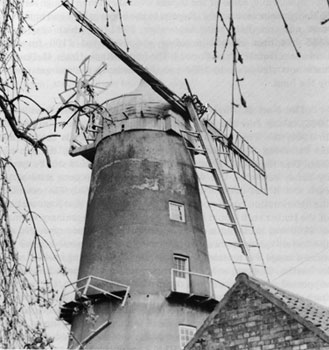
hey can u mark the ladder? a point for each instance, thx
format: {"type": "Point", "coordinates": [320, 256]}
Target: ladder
{"type": "Point", "coordinates": [225, 199]}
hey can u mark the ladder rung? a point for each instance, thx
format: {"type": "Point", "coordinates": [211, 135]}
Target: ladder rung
{"type": "Point", "coordinates": [222, 206]}
{"type": "Point", "coordinates": [238, 245]}
{"type": "Point", "coordinates": [197, 150]}
{"type": "Point", "coordinates": [234, 189]}
{"type": "Point", "coordinates": [247, 226]}
{"type": "Point", "coordinates": [253, 246]}
{"type": "Point", "coordinates": [216, 137]}
{"type": "Point", "coordinates": [191, 133]}
{"type": "Point", "coordinates": [227, 224]}
{"type": "Point", "coordinates": [240, 208]}
{"type": "Point", "coordinates": [213, 187]}
{"type": "Point", "coordinates": [241, 263]}
{"type": "Point", "coordinates": [223, 153]}
{"type": "Point", "coordinates": [228, 171]}
{"type": "Point", "coordinates": [205, 168]}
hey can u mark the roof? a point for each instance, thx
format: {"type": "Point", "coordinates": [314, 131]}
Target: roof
{"type": "Point", "coordinates": [309, 310]}
{"type": "Point", "coordinates": [313, 316]}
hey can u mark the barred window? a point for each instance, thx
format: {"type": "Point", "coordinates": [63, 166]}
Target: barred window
{"type": "Point", "coordinates": [181, 264]}
{"type": "Point", "coordinates": [186, 333]}
{"type": "Point", "coordinates": [181, 277]}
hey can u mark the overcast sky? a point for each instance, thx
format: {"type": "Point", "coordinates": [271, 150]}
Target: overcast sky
{"type": "Point", "coordinates": [286, 119]}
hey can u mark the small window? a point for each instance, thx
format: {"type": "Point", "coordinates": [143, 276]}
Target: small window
{"type": "Point", "coordinates": [186, 333]}
{"type": "Point", "coordinates": [176, 211]}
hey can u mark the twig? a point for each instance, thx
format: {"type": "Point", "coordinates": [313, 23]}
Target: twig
{"type": "Point", "coordinates": [287, 28]}
{"type": "Point", "coordinates": [22, 135]}
{"type": "Point", "coordinates": [216, 30]}
{"type": "Point", "coordinates": [122, 26]}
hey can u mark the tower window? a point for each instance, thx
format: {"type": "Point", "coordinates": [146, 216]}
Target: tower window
{"type": "Point", "coordinates": [181, 264]}
{"type": "Point", "coordinates": [186, 333]}
{"type": "Point", "coordinates": [176, 211]}
{"type": "Point", "coordinates": [181, 276]}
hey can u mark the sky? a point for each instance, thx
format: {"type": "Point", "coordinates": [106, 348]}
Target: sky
{"type": "Point", "coordinates": [286, 119]}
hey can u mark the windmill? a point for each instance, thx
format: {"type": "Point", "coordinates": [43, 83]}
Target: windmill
{"type": "Point", "coordinates": [135, 170]}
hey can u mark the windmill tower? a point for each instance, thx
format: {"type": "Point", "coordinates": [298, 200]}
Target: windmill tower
{"type": "Point", "coordinates": [144, 278]}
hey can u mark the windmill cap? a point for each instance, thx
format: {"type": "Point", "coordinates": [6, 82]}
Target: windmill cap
{"type": "Point", "coordinates": [149, 95]}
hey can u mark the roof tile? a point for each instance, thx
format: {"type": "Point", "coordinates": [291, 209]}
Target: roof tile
{"type": "Point", "coordinates": [308, 309]}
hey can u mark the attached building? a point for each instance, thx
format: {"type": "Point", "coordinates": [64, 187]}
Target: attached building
{"type": "Point", "coordinates": [259, 316]}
